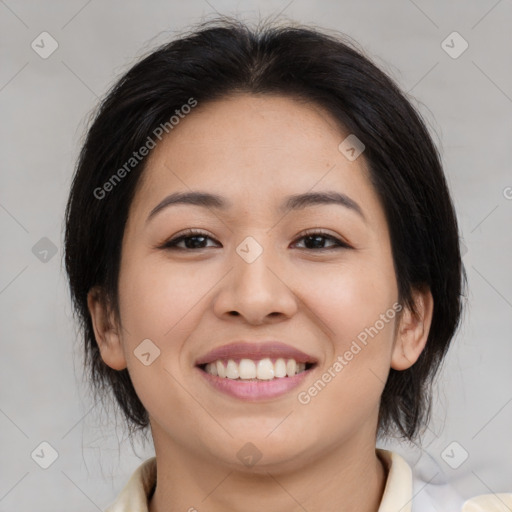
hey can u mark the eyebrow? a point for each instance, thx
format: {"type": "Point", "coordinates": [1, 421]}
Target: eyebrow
{"type": "Point", "coordinates": [292, 202]}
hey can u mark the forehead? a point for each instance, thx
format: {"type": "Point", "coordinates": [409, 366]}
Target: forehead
{"type": "Point", "coordinates": [256, 148]}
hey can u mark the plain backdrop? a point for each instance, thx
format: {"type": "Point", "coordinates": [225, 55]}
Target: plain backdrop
{"type": "Point", "coordinates": [466, 100]}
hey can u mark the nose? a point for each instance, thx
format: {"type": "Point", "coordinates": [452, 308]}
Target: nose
{"type": "Point", "coordinates": [256, 290]}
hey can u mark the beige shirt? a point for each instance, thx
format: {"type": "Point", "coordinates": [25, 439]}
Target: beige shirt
{"type": "Point", "coordinates": [397, 497]}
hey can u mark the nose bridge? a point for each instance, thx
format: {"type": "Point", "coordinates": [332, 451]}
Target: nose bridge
{"type": "Point", "coordinates": [252, 261]}
{"type": "Point", "coordinates": [254, 290]}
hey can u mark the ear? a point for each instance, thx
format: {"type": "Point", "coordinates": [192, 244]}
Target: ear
{"type": "Point", "coordinates": [412, 330]}
{"type": "Point", "coordinates": [105, 330]}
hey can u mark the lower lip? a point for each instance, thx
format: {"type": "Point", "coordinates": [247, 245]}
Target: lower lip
{"type": "Point", "coordinates": [255, 390]}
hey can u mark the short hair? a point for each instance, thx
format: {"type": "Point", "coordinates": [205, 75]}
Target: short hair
{"type": "Point", "coordinates": [225, 56]}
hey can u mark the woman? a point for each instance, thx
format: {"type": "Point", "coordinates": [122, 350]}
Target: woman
{"type": "Point", "coordinates": [264, 256]}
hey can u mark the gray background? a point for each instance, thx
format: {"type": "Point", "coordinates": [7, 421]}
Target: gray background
{"type": "Point", "coordinates": [467, 103]}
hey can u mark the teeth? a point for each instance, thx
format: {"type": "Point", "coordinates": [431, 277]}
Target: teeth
{"type": "Point", "coordinates": [221, 371]}
{"type": "Point", "coordinates": [291, 367]}
{"type": "Point", "coordinates": [265, 370]}
{"type": "Point", "coordinates": [232, 370]}
{"type": "Point", "coordinates": [280, 368]}
{"type": "Point", "coordinates": [247, 369]}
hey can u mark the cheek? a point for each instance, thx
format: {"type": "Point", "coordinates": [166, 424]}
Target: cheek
{"type": "Point", "coordinates": [353, 297]}
{"type": "Point", "coordinates": [358, 305]}
{"type": "Point", "coordinates": [161, 303]}
{"type": "Point", "coordinates": [159, 299]}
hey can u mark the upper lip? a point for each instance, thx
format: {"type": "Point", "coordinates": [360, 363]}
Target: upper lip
{"type": "Point", "coordinates": [252, 350]}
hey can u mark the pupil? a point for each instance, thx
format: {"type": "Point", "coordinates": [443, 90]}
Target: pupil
{"type": "Point", "coordinates": [190, 244]}
{"type": "Point", "coordinates": [317, 240]}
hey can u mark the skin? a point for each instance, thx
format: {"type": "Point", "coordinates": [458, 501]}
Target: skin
{"type": "Point", "coordinates": [254, 150]}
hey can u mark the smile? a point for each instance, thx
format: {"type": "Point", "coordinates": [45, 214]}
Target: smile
{"type": "Point", "coordinates": [254, 380]}
{"type": "Point", "coordinates": [248, 369]}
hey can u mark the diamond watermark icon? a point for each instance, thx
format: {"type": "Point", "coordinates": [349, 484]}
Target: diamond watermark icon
{"type": "Point", "coordinates": [249, 249]}
{"type": "Point", "coordinates": [146, 352]}
{"type": "Point", "coordinates": [454, 455]}
{"type": "Point", "coordinates": [351, 147]}
{"type": "Point", "coordinates": [44, 45]}
{"type": "Point", "coordinates": [454, 45]}
{"type": "Point", "coordinates": [44, 250]}
{"type": "Point", "coordinates": [44, 455]}
{"type": "Point", "coordinates": [249, 454]}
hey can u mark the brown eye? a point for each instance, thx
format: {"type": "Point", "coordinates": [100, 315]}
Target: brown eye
{"type": "Point", "coordinates": [191, 240]}
{"type": "Point", "coordinates": [316, 240]}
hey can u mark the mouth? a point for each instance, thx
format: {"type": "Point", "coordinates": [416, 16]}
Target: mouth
{"type": "Point", "coordinates": [255, 371]}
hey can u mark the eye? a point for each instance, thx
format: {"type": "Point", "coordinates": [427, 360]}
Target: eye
{"type": "Point", "coordinates": [193, 239]}
{"type": "Point", "coordinates": [315, 239]}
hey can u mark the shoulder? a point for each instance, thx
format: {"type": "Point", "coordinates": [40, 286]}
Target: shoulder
{"type": "Point", "coordinates": [501, 502]}
{"type": "Point", "coordinates": [134, 495]}
{"type": "Point", "coordinates": [424, 489]}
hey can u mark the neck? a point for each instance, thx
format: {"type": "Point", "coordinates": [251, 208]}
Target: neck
{"type": "Point", "coordinates": [349, 477]}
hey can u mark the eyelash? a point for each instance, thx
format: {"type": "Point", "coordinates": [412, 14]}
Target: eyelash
{"type": "Point", "coordinates": [192, 233]}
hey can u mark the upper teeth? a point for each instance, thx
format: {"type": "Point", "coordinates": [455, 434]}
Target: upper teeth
{"type": "Point", "coordinates": [246, 369]}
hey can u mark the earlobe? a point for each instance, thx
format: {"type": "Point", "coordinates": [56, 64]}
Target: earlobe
{"type": "Point", "coordinates": [105, 330]}
{"type": "Point", "coordinates": [413, 330]}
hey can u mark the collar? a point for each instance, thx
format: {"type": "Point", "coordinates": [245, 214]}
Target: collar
{"type": "Point", "coordinates": [397, 492]}
{"type": "Point", "coordinates": [397, 495]}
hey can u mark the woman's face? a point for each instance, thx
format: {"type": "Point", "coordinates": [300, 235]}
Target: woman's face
{"type": "Point", "coordinates": [254, 275]}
